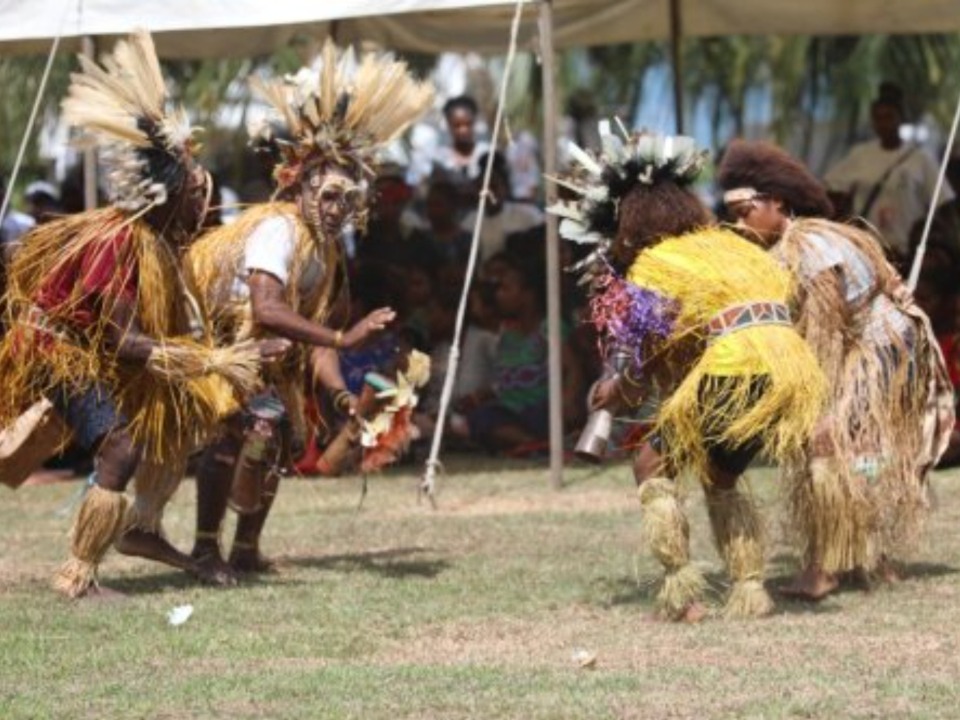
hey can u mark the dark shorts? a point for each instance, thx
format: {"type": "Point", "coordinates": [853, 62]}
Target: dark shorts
{"type": "Point", "coordinates": [534, 420]}
{"type": "Point", "coordinates": [90, 415]}
{"type": "Point", "coordinates": [732, 459]}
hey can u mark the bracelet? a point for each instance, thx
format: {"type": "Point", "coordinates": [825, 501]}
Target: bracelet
{"type": "Point", "coordinates": [632, 404]}
{"type": "Point", "coordinates": [341, 400]}
{"type": "Point", "coordinates": [635, 382]}
{"type": "Point", "coordinates": [338, 339]}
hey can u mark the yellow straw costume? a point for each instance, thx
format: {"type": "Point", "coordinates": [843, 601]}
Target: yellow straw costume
{"type": "Point", "coordinates": [215, 262]}
{"type": "Point", "coordinates": [706, 314]}
{"type": "Point", "coordinates": [707, 272]}
{"type": "Point", "coordinates": [46, 350]}
{"type": "Point", "coordinates": [80, 284]}
{"type": "Point", "coordinates": [324, 130]}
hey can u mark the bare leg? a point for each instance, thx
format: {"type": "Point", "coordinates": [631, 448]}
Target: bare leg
{"type": "Point", "coordinates": [101, 515]}
{"type": "Point", "coordinates": [213, 490]}
{"type": "Point", "coordinates": [811, 583]}
{"type": "Point", "coordinates": [647, 463]}
{"type": "Point", "coordinates": [245, 555]}
{"type": "Point", "coordinates": [155, 484]}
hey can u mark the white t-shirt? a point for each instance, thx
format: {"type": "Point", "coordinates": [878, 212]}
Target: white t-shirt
{"type": "Point", "coordinates": [478, 358]}
{"type": "Point", "coordinates": [881, 317]}
{"type": "Point", "coordinates": [459, 168]}
{"type": "Point", "coordinates": [906, 193]}
{"type": "Point", "coordinates": [515, 217]}
{"type": "Point", "coordinates": [15, 226]}
{"type": "Point", "coordinates": [271, 247]}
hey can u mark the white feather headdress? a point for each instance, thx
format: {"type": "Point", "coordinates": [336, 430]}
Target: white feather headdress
{"type": "Point", "coordinates": [123, 105]}
{"type": "Point", "coordinates": [598, 183]}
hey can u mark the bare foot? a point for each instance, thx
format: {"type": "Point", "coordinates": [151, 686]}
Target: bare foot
{"type": "Point", "coordinates": [250, 561]}
{"type": "Point", "coordinates": [153, 546]}
{"type": "Point", "coordinates": [886, 572]}
{"type": "Point", "coordinates": [694, 613]}
{"type": "Point", "coordinates": [811, 584]}
{"type": "Point", "coordinates": [209, 567]}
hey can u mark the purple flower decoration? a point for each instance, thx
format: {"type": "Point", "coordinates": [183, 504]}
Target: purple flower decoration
{"type": "Point", "coordinates": [631, 318]}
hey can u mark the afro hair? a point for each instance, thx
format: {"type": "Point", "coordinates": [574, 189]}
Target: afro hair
{"type": "Point", "coordinates": [773, 172]}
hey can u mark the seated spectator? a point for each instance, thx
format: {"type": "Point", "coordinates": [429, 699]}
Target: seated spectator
{"type": "Point", "coordinates": [418, 286]}
{"type": "Point", "coordinates": [512, 414]}
{"type": "Point", "coordinates": [43, 202]}
{"type": "Point", "coordinates": [389, 239]}
{"type": "Point", "coordinates": [477, 360]}
{"type": "Point", "coordinates": [449, 241]}
{"type": "Point", "coordinates": [503, 216]}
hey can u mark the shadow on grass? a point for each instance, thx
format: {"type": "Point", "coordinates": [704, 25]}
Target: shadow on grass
{"type": "Point", "coordinates": [626, 591]}
{"type": "Point", "coordinates": [175, 580]}
{"type": "Point", "coordinates": [392, 563]}
{"type": "Point", "coordinates": [924, 570]}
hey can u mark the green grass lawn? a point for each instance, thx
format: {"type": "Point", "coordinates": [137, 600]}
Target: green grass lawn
{"type": "Point", "coordinates": [475, 610]}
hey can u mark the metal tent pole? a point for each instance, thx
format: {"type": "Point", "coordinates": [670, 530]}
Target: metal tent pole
{"type": "Point", "coordinates": [553, 245]}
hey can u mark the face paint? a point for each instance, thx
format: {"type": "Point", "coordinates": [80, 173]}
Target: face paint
{"type": "Point", "coordinates": [331, 199]}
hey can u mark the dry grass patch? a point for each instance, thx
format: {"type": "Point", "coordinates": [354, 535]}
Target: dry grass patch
{"type": "Point", "coordinates": [475, 610]}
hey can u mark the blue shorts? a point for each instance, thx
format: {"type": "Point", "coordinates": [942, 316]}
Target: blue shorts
{"type": "Point", "coordinates": [90, 415]}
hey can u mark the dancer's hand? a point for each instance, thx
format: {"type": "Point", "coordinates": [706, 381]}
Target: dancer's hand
{"type": "Point", "coordinates": [372, 324]}
{"type": "Point", "coordinates": [273, 349]}
{"type": "Point", "coordinates": [605, 395]}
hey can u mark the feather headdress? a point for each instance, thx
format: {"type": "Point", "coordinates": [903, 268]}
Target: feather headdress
{"type": "Point", "coordinates": [342, 114]}
{"type": "Point", "coordinates": [123, 105]}
{"type": "Point", "coordinates": [599, 182]}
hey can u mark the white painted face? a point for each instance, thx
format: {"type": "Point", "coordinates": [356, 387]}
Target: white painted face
{"type": "Point", "coordinates": [331, 198]}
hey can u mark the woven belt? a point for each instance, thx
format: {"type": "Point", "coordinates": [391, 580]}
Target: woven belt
{"type": "Point", "coordinates": [738, 317]}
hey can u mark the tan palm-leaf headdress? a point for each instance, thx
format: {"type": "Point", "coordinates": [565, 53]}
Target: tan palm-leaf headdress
{"type": "Point", "coordinates": [123, 105]}
{"type": "Point", "coordinates": [342, 114]}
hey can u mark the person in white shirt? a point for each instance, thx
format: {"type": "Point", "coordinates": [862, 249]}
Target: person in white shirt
{"type": "Point", "coordinates": [503, 216]}
{"type": "Point", "coordinates": [459, 161]}
{"type": "Point", "coordinates": [274, 272]}
{"type": "Point", "coordinates": [884, 181]}
{"type": "Point", "coordinates": [13, 226]}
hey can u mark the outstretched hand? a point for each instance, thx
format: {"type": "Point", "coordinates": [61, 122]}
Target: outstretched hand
{"type": "Point", "coordinates": [372, 324]}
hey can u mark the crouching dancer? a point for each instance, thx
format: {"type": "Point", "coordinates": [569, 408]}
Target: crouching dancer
{"type": "Point", "coordinates": [99, 319]}
{"type": "Point", "coordinates": [702, 313]}
{"type": "Point", "coordinates": [276, 272]}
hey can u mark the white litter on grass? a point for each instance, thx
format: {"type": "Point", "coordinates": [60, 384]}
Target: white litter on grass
{"type": "Point", "coordinates": [180, 614]}
{"type": "Point", "coordinates": [584, 658]}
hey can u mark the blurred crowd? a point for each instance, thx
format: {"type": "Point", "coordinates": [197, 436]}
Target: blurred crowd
{"type": "Point", "coordinates": [413, 256]}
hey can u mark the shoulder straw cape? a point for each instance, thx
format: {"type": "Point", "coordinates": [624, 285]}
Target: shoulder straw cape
{"type": "Point", "coordinates": [48, 348]}
{"type": "Point", "coordinates": [704, 273]}
{"type": "Point", "coordinates": [888, 411]}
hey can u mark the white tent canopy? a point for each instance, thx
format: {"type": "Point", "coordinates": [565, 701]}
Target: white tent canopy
{"type": "Point", "coordinates": [182, 28]}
